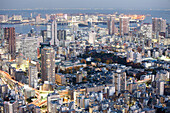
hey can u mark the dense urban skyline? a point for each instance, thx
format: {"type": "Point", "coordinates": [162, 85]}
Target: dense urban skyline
{"type": "Point", "coordinates": [125, 4]}
{"type": "Point", "coordinates": [78, 56]}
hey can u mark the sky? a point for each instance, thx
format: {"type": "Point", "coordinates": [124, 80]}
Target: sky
{"type": "Point", "coordinates": [118, 4]}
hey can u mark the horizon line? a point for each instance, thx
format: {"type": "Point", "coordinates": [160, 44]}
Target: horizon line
{"type": "Point", "coordinates": [88, 9]}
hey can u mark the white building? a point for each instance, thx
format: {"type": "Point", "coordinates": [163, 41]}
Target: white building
{"type": "Point", "coordinates": [29, 47]}
{"type": "Point", "coordinates": [160, 87]}
{"type": "Point", "coordinates": [33, 76]}
{"type": "Point", "coordinates": [52, 33]}
{"type": "Point", "coordinates": [146, 30]}
{"type": "Point", "coordinates": [92, 37]}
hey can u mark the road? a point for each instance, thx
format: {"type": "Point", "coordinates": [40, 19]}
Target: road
{"type": "Point", "coordinates": [142, 81]}
{"type": "Point", "coordinates": [7, 76]}
{"type": "Point", "coordinates": [38, 102]}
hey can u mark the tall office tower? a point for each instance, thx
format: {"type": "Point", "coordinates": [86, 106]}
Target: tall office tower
{"type": "Point", "coordinates": [124, 25]}
{"type": "Point", "coordinates": [120, 80]}
{"type": "Point", "coordinates": [44, 35]}
{"type": "Point", "coordinates": [160, 87]}
{"type": "Point", "coordinates": [61, 35]}
{"type": "Point", "coordinates": [29, 47]}
{"type": "Point", "coordinates": [168, 29]}
{"type": "Point", "coordinates": [33, 76]}
{"type": "Point", "coordinates": [48, 64]}
{"type": "Point", "coordinates": [9, 35]}
{"type": "Point", "coordinates": [146, 30]}
{"type": "Point", "coordinates": [111, 26]}
{"type": "Point", "coordinates": [53, 30]}
{"type": "Point", "coordinates": [49, 31]}
{"type": "Point", "coordinates": [92, 37]}
{"type": "Point", "coordinates": [1, 35]}
{"type": "Point", "coordinates": [158, 25]}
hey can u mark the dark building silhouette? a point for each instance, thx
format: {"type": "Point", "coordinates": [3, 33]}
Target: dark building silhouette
{"type": "Point", "coordinates": [9, 34]}
{"type": "Point", "coordinates": [111, 25]}
{"type": "Point", "coordinates": [61, 35]}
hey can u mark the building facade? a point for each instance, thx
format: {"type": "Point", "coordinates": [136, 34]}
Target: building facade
{"type": "Point", "coordinates": [111, 26]}
{"type": "Point", "coordinates": [9, 34]}
{"type": "Point", "coordinates": [124, 25]}
{"type": "Point", "coordinates": [48, 64]}
{"type": "Point", "coordinates": [158, 25]}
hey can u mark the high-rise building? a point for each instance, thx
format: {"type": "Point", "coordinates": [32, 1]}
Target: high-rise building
{"type": "Point", "coordinates": [61, 35]}
{"type": "Point", "coordinates": [49, 31]}
{"type": "Point", "coordinates": [92, 37]}
{"type": "Point", "coordinates": [146, 30]}
{"type": "Point", "coordinates": [160, 87]}
{"type": "Point", "coordinates": [52, 33]}
{"type": "Point", "coordinates": [48, 64]}
{"type": "Point", "coordinates": [111, 25]}
{"type": "Point", "coordinates": [33, 76]}
{"type": "Point", "coordinates": [29, 47]}
{"type": "Point", "coordinates": [9, 35]}
{"type": "Point", "coordinates": [1, 35]}
{"type": "Point", "coordinates": [158, 25]}
{"type": "Point", "coordinates": [44, 35]}
{"type": "Point", "coordinates": [124, 25]}
{"type": "Point", "coordinates": [120, 80]}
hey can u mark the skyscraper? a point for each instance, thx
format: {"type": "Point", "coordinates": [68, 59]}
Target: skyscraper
{"type": "Point", "coordinates": [160, 87]}
{"type": "Point", "coordinates": [111, 25]}
{"type": "Point", "coordinates": [44, 35]}
{"type": "Point", "coordinates": [29, 47]}
{"type": "Point", "coordinates": [33, 76]}
{"type": "Point", "coordinates": [48, 64]}
{"type": "Point", "coordinates": [124, 25]}
{"type": "Point", "coordinates": [146, 30]}
{"type": "Point", "coordinates": [52, 33]}
{"type": "Point", "coordinates": [61, 35]}
{"type": "Point", "coordinates": [9, 34]}
{"type": "Point", "coordinates": [158, 25]}
{"type": "Point", "coordinates": [1, 35]}
{"type": "Point", "coordinates": [120, 80]}
{"type": "Point", "coordinates": [92, 37]}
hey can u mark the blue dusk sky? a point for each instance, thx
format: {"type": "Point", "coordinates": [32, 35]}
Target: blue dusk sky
{"type": "Point", "coordinates": [118, 4]}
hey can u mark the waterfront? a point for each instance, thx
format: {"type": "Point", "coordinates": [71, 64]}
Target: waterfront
{"type": "Point", "coordinates": [165, 14]}
{"type": "Point", "coordinates": [20, 28]}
